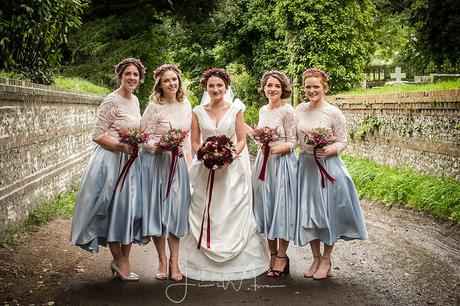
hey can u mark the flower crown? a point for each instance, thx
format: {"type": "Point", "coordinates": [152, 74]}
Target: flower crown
{"type": "Point", "coordinates": [218, 72]}
{"type": "Point", "coordinates": [160, 70]}
{"type": "Point", "coordinates": [316, 71]}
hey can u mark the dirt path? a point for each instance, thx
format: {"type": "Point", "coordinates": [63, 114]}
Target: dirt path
{"type": "Point", "coordinates": [409, 259]}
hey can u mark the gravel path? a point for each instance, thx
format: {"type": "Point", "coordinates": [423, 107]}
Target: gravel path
{"type": "Point", "coordinates": [409, 259]}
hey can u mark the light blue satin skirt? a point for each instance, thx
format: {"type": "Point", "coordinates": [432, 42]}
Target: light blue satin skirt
{"type": "Point", "coordinates": [162, 216]}
{"type": "Point", "coordinates": [100, 214]}
{"type": "Point", "coordinates": [329, 213]}
{"type": "Point", "coordinates": [274, 199]}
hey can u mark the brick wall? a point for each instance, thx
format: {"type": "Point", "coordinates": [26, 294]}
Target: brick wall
{"type": "Point", "coordinates": [419, 130]}
{"type": "Point", "coordinates": [44, 144]}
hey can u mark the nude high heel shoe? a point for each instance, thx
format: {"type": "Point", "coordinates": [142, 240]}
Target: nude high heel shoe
{"type": "Point", "coordinates": [313, 267]}
{"type": "Point", "coordinates": [177, 277]}
{"type": "Point", "coordinates": [133, 277]}
{"type": "Point", "coordinates": [160, 275]}
{"type": "Point", "coordinates": [324, 270]}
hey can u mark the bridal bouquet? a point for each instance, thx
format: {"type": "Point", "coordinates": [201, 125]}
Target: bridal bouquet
{"type": "Point", "coordinates": [134, 138]}
{"type": "Point", "coordinates": [319, 138]}
{"type": "Point", "coordinates": [215, 152]}
{"type": "Point", "coordinates": [171, 141]}
{"type": "Point", "coordinates": [265, 136]}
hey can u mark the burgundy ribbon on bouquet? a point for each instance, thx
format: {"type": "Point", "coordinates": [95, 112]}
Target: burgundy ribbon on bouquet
{"type": "Point", "coordinates": [128, 165]}
{"type": "Point", "coordinates": [264, 163]}
{"type": "Point", "coordinates": [323, 171]}
{"type": "Point", "coordinates": [174, 155]}
{"type": "Point", "coordinates": [208, 228]}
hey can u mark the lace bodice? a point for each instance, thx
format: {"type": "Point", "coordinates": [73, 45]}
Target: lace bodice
{"type": "Point", "coordinates": [328, 117]}
{"type": "Point", "coordinates": [284, 119]}
{"type": "Point", "coordinates": [226, 125]}
{"type": "Point", "coordinates": [159, 118]}
{"type": "Point", "coordinates": [116, 113]}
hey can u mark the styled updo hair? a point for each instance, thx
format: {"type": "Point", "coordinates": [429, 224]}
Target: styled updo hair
{"type": "Point", "coordinates": [216, 72]}
{"type": "Point", "coordinates": [286, 89]}
{"type": "Point", "coordinates": [157, 95]}
{"type": "Point", "coordinates": [317, 73]}
{"type": "Point", "coordinates": [121, 66]}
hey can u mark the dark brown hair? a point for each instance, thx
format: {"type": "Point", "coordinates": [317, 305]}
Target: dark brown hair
{"type": "Point", "coordinates": [216, 72]}
{"type": "Point", "coordinates": [121, 66]}
{"type": "Point", "coordinates": [280, 76]}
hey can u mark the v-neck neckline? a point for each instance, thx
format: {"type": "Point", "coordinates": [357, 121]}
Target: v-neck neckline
{"type": "Point", "coordinates": [216, 124]}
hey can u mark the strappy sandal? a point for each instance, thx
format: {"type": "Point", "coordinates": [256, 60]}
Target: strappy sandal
{"type": "Point", "coordinates": [162, 275]}
{"type": "Point", "coordinates": [278, 273]}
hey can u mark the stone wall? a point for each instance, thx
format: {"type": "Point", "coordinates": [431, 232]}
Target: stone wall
{"type": "Point", "coordinates": [44, 145]}
{"type": "Point", "coordinates": [419, 130]}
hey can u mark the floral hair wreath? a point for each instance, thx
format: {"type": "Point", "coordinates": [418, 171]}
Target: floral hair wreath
{"type": "Point", "coordinates": [218, 72]}
{"type": "Point", "coordinates": [160, 70]}
{"type": "Point", "coordinates": [316, 71]}
{"type": "Point", "coordinates": [120, 67]}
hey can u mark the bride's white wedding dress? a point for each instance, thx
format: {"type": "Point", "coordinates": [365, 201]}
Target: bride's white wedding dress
{"type": "Point", "coordinates": [237, 251]}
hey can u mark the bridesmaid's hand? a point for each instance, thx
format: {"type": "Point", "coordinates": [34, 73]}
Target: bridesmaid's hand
{"type": "Point", "coordinates": [125, 148]}
{"type": "Point", "coordinates": [326, 151]}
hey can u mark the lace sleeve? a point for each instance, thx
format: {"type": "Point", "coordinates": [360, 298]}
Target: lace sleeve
{"type": "Point", "coordinates": [290, 127]}
{"type": "Point", "coordinates": [148, 121]}
{"type": "Point", "coordinates": [339, 129]}
{"type": "Point", "coordinates": [106, 115]}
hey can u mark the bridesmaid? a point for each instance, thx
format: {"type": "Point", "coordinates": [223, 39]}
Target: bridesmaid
{"type": "Point", "coordinates": [330, 213]}
{"type": "Point", "coordinates": [166, 217]}
{"type": "Point", "coordinates": [274, 198]}
{"type": "Point", "coordinates": [103, 215]}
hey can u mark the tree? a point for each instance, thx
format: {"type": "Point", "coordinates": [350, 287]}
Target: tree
{"type": "Point", "coordinates": [334, 35]}
{"type": "Point", "coordinates": [433, 38]}
{"type": "Point", "coordinates": [33, 32]}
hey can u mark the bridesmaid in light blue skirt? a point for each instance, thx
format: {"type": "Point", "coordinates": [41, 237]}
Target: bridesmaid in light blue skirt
{"type": "Point", "coordinates": [328, 208]}
{"type": "Point", "coordinates": [274, 195]}
{"type": "Point", "coordinates": [105, 215]}
{"type": "Point", "coordinates": [165, 216]}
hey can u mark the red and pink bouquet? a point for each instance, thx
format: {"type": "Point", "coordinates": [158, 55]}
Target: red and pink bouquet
{"type": "Point", "coordinates": [171, 141]}
{"type": "Point", "coordinates": [215, 152]}
{"type": "Point", "coordinates": [319, 138]}
{"type": "Point", "coordinates": [134, 138]}
{"type": "Point", "coordinates": [265, 136]}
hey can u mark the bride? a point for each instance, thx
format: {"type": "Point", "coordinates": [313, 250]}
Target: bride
{"type": "Point", "coordinates": [236, 252]}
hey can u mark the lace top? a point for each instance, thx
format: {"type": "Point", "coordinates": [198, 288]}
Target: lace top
{"type": "Point", "coordinates": [116, 113]}
{"type": "Point", "coordinates": [159, 118]}
{"type": "Point", "coordinates": [326, 116]}
{"type": "Point", "coordinates": [284, 119]}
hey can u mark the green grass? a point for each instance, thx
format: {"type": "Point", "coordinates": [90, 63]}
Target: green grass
{"type": "Point", "coordinates": [407, 88]}
{"type": "Point", "coordinates": [62, 206]}
{"type": "Point", "coordinates": [12, 75]}
{"type": "Point", "coordinates": [80, 85]}
{"type": "Point", "coordinates": [439, 196]}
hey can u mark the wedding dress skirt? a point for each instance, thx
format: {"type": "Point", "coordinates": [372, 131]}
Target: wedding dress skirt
{"type": "Point", "coordinates": [236, 250]}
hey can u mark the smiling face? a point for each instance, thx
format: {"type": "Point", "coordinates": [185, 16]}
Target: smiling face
{"type": "Point", "coordinates": [273, 89]}
{"type": "Point", "coordinates": [130, 78]}
{"type": "Point", "coordinates": [314, 89]}
{"type": "Point", "coordinates": [169, 83]}
{"type": "Point", "coordinates": [216, 88]}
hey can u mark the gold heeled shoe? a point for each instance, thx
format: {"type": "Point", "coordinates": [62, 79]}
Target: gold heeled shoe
{"type": "Point", "coordinates": [318, 275]}
{"type": "Point", "coordinates": [313, 267]}
{"type": "Point", "coordinates": [133, 277]}
{"type": "Point", "coordinates": [177, 277]}
{"type": "Point", "coordinates": [162, 275]}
